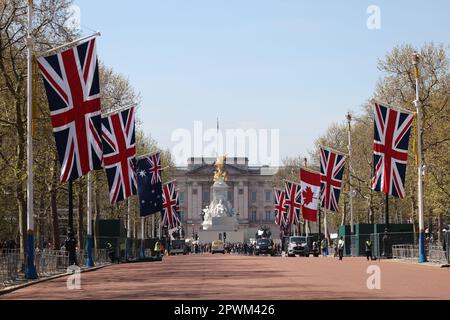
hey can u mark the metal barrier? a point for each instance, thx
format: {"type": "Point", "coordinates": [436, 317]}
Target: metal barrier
{"type": "Point", "coordinates": [99, 256]}
{"type": "Point", "coordinates": [47, 263]}
{"type": "Point", "coordinates": [51, 262]}
{"type": "Point", "coordinates": [405, 251]}
{"type": "Point", "coordinates": [434, 253]}
{"type": "Point", "coordinates": [354, 245]}
{"type": "Point", "coordinates": [11, 263]}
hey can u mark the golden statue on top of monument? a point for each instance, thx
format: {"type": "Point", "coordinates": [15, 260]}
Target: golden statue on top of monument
{"type": "Point", "coordinates": [220, 173]}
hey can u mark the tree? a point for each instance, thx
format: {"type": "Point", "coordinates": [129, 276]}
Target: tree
{"type": "Point", "coordinates": [49, 30]}
{"type": "Point", "coordinates": [397, 88]}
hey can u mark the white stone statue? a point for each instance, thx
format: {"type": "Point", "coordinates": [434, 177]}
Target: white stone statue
{"type": "Point", "coordinates": [220, 208]}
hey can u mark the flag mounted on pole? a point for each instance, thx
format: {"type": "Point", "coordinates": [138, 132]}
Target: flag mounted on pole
{"type": "Point", "coordinates": [119, 154]}
{"type": "Point", "coordinates": [293, 202]}
{"type": "Point", "coordinates": [72, 85]}
{"type": "Point", "coordinates": [148, 172]}
{"type": "Point", "coordinates": [332, 166]}
{"type": "Point", "coordinates": [170, 217]}
{"type": "Point", "coordinates": [280, 207]}
{"type": "Point", "coordinates": [390, 149]}
{"type": "Point", "coordinates": [310, 186]}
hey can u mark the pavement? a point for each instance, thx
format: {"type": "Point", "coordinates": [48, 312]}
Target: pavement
{"type": "Point", "coordinates": [230, 277]}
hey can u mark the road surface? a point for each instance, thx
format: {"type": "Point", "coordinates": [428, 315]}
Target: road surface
{"type": "Point", "coordinates": [206, 276]}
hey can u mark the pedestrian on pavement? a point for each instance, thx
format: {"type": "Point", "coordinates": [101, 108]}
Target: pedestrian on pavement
{"type": "Point", "coordinates": [157, 248]}
{"type": "Point", "coordinates": [71, 246]}
{"type": "Point", "coordinates": [341, 248]}
{"type": "Point", "coordinates": [336, 249]}
{"type": "Point", "coordinates": [369, 249]}
{"type": "Point", "coordinates": [111, 252]}
{"type": "Point", "coordinates": [444, 243]}
{"type": "Point", "coordinates": [163, 249]}
{"type": "Point", "coordinates": [323, 247]}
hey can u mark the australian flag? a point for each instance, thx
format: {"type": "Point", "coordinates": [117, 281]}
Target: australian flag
{"type": "Point", "coordinates": [148, 172]}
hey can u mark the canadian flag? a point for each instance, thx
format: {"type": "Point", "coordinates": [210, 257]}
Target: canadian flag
{"type": "Point", "coordinates": [310, 189]}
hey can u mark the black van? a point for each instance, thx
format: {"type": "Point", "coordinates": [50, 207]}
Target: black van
{"type": "Point", "coordinates": [264, 246]}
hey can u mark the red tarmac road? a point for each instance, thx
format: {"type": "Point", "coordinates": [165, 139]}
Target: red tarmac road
{"type": "Point", "coordinates": [247, 277]}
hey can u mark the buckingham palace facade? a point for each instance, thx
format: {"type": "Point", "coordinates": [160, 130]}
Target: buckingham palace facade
{"type": "Point", "coordinates": [250, 192]}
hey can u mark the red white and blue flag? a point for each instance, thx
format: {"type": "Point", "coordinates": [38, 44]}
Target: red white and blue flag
{"type": "Point", "coordinates": [119, 154]}
{"type": "Point", "coordinates": [293, 201]}
{"type": "Point", "coordinates": [390, 149]}
{"type": "Point", "coordinates": [148, 171]}
{"type": "Point", "coordinates": [170, 217]}
{"type": "Point", "coordinates": [310, 186]}
{"type": "Point", "coordinates": [280, 207]}
{"type": "Point", "coordinates": [332, 166]}
{"type": "Point", "coordinates": [72, 85]}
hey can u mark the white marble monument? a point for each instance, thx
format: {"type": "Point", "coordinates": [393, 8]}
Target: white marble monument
{"type": "Point", "coordinates": [220, 217]}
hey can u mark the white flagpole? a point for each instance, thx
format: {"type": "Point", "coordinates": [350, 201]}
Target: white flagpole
{"type": "Point", "coordinates": [325, 227]}
{"type": "Point", "coordinates": [217, 138]}
{"type": "Point", "coordinates": [350, 192]}
{"type": "Point", "coordinates": [128, 219]}
{"type": "Point", "coordinates": [142, 253]}
{"type": "Point", "coordinates": [69, 43]}
{"type": "Point", "coordinates": [127, 241]}
{"type": "Point", "coordinates": [89, 261]}
{"type": "Point", "coordinates": [159, 226]}
{"type": "Point", "coordinates": [306, 227]}
{"type": "Point", "coordinates": [31, 269]}
{"type": "Point", "coordinates": [118, 109]}
{"type": "Point", "coordinates": [422, 258]}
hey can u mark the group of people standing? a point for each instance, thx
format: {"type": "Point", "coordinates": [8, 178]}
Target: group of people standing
{"type": "Point", "coordinates": [339, 246]}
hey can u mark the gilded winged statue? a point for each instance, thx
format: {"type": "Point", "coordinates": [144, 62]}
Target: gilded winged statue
{"type": "Point", "coordinates": [220, 173]}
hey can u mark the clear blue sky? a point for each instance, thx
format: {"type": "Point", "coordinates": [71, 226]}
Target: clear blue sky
{"type": "Point", "coordinates": [292, 65]}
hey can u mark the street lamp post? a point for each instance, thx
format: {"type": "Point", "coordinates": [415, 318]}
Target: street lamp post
{"type": "Point", "coordinates": [128, 239]}
{"type": "Point", "coordinates": [306, 224]}
{"type": "Point", "coordinates": [142, 249]}
{"type": "Point", "coordinates": [350, 192]}
{"type": "Point", "coordinates": [386, 242]}
{"type": "Point", "coordinates": [415, 60]}
{"type": "Point", "coordinates": [30, 267]}
{"type": "Point", "coordinates": [89, 262]}
{"type": "Point", "coordinates": [71, 241]}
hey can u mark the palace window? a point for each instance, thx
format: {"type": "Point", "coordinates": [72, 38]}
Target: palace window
{"type": "Point", "coordinates": [230, 196]}
{"type": "Point", "coordinates": [253, 216]}
{"type": "Point", "coordinates": [205, 196]}
{"type": "Point", "coordinates": [181, 197]}
{"type": "Point", "coordinates": [268, 196]}
{"type": "Point", "coordinates": [268, 215]}
{"type": "Point", "coordinates": [182, 217]}
{"type": "Point", "coordinates": [253, 196]}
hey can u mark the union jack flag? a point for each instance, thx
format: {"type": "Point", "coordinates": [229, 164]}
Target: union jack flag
{"type": "Point", "coordinates": [280, 207]}
{"type": "Point", "coordinates": [293, 201]}
{"type": "Point", "coordinates": [332, 166]}
{"type": "Point", "coordinates": [119, 152]}
{"type": "Point", "coordinates": [155, 167]}
{"type": "Point", "coordinates": [72, 86]}
{"type": "Point", "coordinates": [390, 149]}
{"type": "Point", "coordinates": [170, 216]}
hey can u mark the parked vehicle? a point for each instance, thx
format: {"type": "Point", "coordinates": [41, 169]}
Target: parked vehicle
{"type": "Point", "coordinates": [217, 246]}
{"type": "Point", "coordinates": [298, 245]}
{"type": "Point", "coordinates": [264, 246]}
{"type": "Point", "coordinates": [178, 247]}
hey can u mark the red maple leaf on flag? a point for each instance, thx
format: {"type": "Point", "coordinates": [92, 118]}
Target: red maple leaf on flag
{"type": "Point", "coordinates": [307, 195]}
